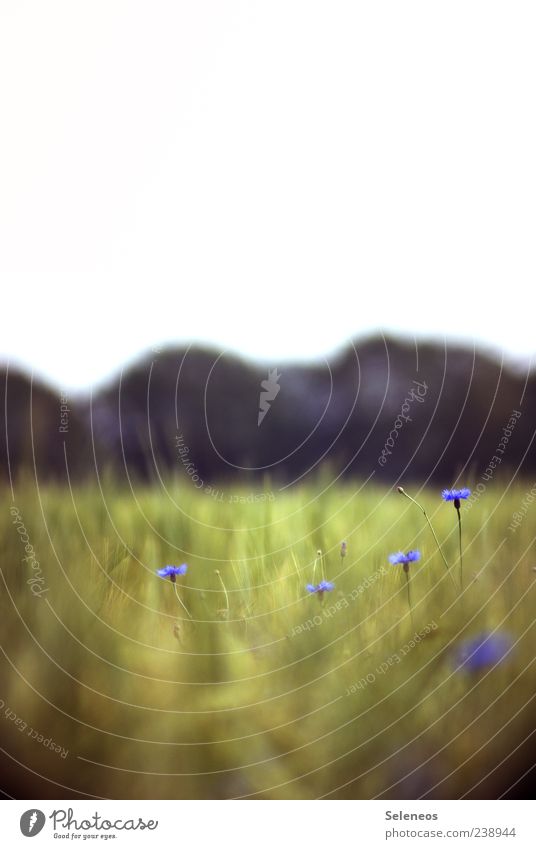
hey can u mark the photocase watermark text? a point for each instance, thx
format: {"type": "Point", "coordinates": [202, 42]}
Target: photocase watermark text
{"type": "Point", "coordinates": [65, 819]}
{"type": "Point", "coordinates": [520, 514]}
{"type": "Point", "coordinates": [343, 603]}
{"type": "Point", "coordinates": [37, 581]}
{"type": "Point", "coordinates": [495, 461]}
{"type": "Point", "coordinates": [414, 394]}
{"type": "Point", "coordinates": [392, 660]}
{"type": "Point", "coordinates": [214, 492]}
{"type": "Point", "coordinates": [64, 413]}
{"type": "Point", "coordinates": [23, 728]}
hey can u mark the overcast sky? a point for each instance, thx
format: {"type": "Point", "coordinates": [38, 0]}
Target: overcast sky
{"type": "Point", "coordinates": [271, 177]}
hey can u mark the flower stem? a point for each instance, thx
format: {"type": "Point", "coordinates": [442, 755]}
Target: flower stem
{"type": "Point", "coordinates": [320, 556]}
{"type": "Point", "coordinates": [460, 541]}
{"type": "Point", "coordinates": [224, 589]}
{"type": "Point", "coordinates": [409, 596]}
{"type": "Point", "coordinates": [403, 492]}
{"type": "Point", "coordinates": [181, 602]}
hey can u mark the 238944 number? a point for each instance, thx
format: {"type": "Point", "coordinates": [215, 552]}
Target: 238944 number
{"type": "Point", "coordinates": [494, 832]}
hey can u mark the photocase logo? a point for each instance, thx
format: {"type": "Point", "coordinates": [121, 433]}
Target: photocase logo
{"type": "Point", "coordinates": [31, 822]}
{"type": "Point", "coordinates": [271, 389]}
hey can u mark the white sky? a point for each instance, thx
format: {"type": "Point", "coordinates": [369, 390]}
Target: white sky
{"type": "Point", "coordinates": [273, 177]}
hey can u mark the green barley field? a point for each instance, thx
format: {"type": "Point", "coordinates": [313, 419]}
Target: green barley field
{"type": "Point", "coordinates": [109, 689]}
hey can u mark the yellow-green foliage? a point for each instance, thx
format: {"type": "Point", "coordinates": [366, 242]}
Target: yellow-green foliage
{"type": "Point", "coordinates": [282, 694]}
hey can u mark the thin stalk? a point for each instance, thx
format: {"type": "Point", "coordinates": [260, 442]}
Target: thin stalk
{"type": "Point", "coordinates": [403, 492]}
{"type": "Point", "coordinates": [295, 565]}
{"type": "Point", "coordinates": [460, 541]}
{"type": "Point", "coordinates": [409, 596]}
{"type": "Point", "coordinates": [224, 589]}
{"type": "Point", "coordinates": [322, 567]}
{"type": "Point", "coordinates": [298, 574]}
{"type": "Point", "coordinates": [318, 553]}
{"type": "Point", "coordinates": [179, 600]}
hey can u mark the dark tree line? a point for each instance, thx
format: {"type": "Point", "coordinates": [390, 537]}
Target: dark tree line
{"type": "Point", "coordinates": [380, 406]}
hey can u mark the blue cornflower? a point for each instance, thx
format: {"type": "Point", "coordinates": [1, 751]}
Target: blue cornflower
{"type": "Point", "coordinates": [486, 649]}
{"type": "Point", "coordinates": [400, 557]}
{"type": "Point", "coordinates": [456, 494]}
{"type": "Point", "coordinates": [171, 572]}
{"type": "Point", "coordinates": [322, 587]}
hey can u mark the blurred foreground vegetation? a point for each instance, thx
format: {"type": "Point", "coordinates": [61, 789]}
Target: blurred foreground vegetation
{"type": "Point", "coordinates": [268, 691]}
